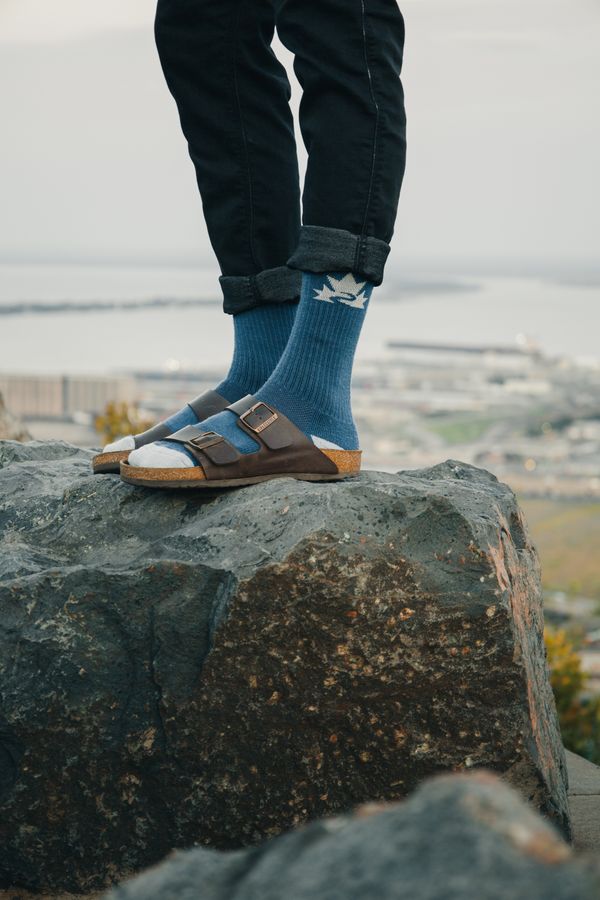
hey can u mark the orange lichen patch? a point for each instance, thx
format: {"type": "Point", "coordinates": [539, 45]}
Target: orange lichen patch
{"type": "Point", "coordinates": [130, 778]}
{"type": "Point", "coordinates": [485, 776]}
{"type": "Point", "coordinates": [522, 615]}
{"type": "Point", "coordinates": [546, 848]}
{"type": "Point", "coordinates": [143, 741]}
{"type": "Point", "coordinates": [399, 736]}
{"type": "Point", "coordinates": [496, 555]}
{"type": "Point", "coordinates": [525, 834]}
{"type": "Point", "coordinates": [475, 550]}
{"type": "Point", "coordinates": [148, 738]}
{"type": "Point", "coordinates": [366, 810]}
{"type": "Point", "coordinates": [536, 842]}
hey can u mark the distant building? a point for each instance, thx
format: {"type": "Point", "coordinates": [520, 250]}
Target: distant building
{"type": "Point", "coordinates": [56, 396]}
{"type": "Point", "coordinates": [521, 356]}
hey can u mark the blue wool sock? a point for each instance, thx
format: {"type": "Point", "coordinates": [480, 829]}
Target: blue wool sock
{"type": "Point", "coordinates": [260, 336]}
{"type": "Point", "coordinates": [311, 382]}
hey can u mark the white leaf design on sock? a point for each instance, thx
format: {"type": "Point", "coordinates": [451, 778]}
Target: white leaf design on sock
{"type": "Point", "coordinates": [324, 293]}
{"type": "Point", "coordinates": [345, 290]}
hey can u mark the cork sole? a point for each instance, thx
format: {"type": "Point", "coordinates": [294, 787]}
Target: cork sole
{"type": "Point", "coordinates": [347, 462]}
{"type": "Point", "coordinates": [103, 463]}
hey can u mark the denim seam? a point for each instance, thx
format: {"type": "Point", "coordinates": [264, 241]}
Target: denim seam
{"type": "Point", "coordinates": [230, 74]}
{"type": "Point", "coordinates": [244, 138]}
{"type": "Point", "coordinates": [254, 291]}
{"type": "Point", "coordinates": [358, 255]}
{"type": "Point", "coordinates": [376, 128]}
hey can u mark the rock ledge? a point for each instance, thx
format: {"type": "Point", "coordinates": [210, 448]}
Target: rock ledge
{"type": "Point", "coordinates": [179, 669]}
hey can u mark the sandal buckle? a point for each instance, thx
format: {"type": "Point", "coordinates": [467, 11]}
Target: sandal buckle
{"type": "Point", "coordinates": [262, 424]}
{"type": "Point", "coordinates": [201, 441]}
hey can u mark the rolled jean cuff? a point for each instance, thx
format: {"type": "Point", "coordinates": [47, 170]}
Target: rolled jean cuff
{"type": "Point", "coordinates": [323, 249]}
{"type": "Point", "coordinates": [243, 292]}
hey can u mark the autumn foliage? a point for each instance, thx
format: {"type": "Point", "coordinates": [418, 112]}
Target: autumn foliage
{"type": "Point", "coordinates": [119, 419]}
{"type": "Point", "coordinates": [578, 711]}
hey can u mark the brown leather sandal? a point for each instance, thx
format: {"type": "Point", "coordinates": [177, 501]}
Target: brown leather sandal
{"type": "Point", "coordinates": [207, 404]}
{"type": "Point", "coordinates": [284, 452]}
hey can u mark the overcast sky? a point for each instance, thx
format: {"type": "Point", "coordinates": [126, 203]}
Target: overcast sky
{"type": "Point", "coordinates": [504, 134]}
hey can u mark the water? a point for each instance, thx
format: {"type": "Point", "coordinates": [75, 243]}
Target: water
{"type": "Point", "coordinates": [564, 320]}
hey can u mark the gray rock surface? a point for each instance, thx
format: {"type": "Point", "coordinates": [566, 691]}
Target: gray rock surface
{"type": "Point", "coordinates": [457, 837]}
{"type": "Point", "coordinates": [179, 669]}
{"type": "Point", "coordinates": [11, 428]}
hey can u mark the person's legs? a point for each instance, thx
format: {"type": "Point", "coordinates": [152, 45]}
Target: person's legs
{"type": "Point", "coordinates": [348, 57]}
{"type": "Point", "coordinates": [233, 96]}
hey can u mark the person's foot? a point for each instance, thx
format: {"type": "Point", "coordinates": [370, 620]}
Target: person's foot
{"type": "Point", "coordinates": [311, 382]}
{"type": "Point", "coordinates": [110, 458]}
{"type": "Point", "coordinates": [261, 335]}
{"type": "Point", "coordinates": [284, 452]}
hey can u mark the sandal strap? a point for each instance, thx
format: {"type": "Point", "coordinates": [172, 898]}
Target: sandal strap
{"type": "Point", "coordinates": [283, 448]}
{"type": "Point", "coordinates": [156, 433]}
{"type": "Point", "coordinates": [207, 404]}
{"type": "Point", "coordinates": [202, 444]}
{"type": "Point", "coordinates": [273, 429]}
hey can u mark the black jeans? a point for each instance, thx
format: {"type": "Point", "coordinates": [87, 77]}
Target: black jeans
{"type": "Point", "coordinates": [233, 99]}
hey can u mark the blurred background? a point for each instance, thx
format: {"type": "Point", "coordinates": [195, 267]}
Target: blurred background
{"type": "Point", "coordinates": [483, 343]}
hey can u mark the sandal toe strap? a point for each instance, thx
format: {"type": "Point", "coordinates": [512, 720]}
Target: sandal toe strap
{"type": "Point", "coordinates": [206, 446]}
{"type": "Point", "coordinates": [207, 404]}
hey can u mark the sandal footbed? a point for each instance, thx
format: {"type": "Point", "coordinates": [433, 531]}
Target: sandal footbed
{"type": "Point", "coordinates": [347, 462]}
{"type": "Point", "coordinates": [104, 463]}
